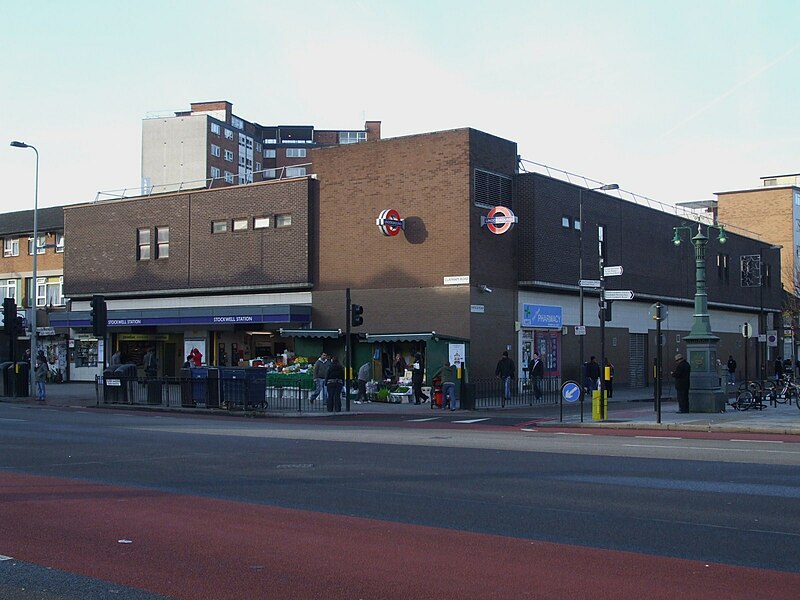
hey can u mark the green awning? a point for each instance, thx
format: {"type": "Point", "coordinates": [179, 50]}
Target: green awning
{"type": "Point", "coordinates": [421, 336]}
{"type": "Point", "coordinates": [311, 333]}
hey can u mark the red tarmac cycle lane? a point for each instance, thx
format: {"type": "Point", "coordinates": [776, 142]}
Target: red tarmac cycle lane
{"type": "Point", "coordinates": [197, 548]}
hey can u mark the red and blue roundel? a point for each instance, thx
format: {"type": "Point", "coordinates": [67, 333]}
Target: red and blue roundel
{"type": "Point", "coordinates": [389, 222]}
{"type": "Point", "coordinates": [499, 220]}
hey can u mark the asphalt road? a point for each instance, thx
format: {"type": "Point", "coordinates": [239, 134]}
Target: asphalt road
{"type": "Point", "coordinates": [231, 508]}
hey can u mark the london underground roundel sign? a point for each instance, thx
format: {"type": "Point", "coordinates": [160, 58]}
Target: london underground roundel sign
{"type": "Point", "coordinates": [389, 222]}
{"type": "Point", "coordinates": [499, 220]}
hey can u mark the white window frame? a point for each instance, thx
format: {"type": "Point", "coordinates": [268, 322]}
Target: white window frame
{"type": "Point", "coordinates": [228, 177]}
{"type": "Point", "coordinates": [218, 227]}
{"type": "Point", "coordinates": [54, 288]}
{"type": "Point", "coordinates": [261, 222]}
{"type": "Point", "coordinates": [295, 153]}
{"type": "Point", "coordinates": [216, 129]}
{"type": "Point", "coordinates": [215, 150]}
{"type": "Point", "coordinates": [228, 134]}
{"type": "Point", "coordinates": [215, 172]}
{"type": "Point", "coordinates": [295, 171]}
{"type": "Point", "coordinates": [229, 155]}
{"type": "Point", "coordinates": [40, 244]}
{"type": "Point", "coordinates": [143, 249]}
{"type": "Point", "coordinates": [283, 220]}
{"type": "Point", "coordinates": [10, 247]}
{"type": "Point", "coordinates": [270, 153]}
{"type": "Point", "coordinates": [41, 291]}
{"type": "Point", "coordinates": [240, 225]}
{"type": "Point", "coordinates": [270, 173]}
{"type": "Point", "coordinates": [59, 243]}
{"type": "Point", "coordinates": [162, 242]}
{"type": "Point", "coordinates": [10, 290]}
{"type": "Point", "coordinates": [237, 122]}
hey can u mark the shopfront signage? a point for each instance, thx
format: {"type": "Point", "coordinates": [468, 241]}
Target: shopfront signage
{"type": "Point", "coordinates": [476, 308]}
{"type": "Point", "coordinates": [499, 220]}
{"type": "Point", "coordinates": [539, 315]}
{"type": "Point", "coordinates": [45, 331]}
{"type": "Point", "coordinates": [389, 222]}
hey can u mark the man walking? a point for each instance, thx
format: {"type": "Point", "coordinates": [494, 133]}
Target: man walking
{"type": "Point", "coordinates": [731, 370]}
{"type": "Point", "coordinates": [592, 374]}
{"type": "Point", "coordinates": [505, 370]}
{"type": "Point", "coordinates": [682, 374]}
{"type": "Point", "coordinates": [417, 375]}
{"type": "Point", "coordinates": [320, 371]}
{"type": "Point", "coordinates": [536, 372]}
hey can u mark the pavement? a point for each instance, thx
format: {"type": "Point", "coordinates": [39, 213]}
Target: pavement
{"type": "Point", "coordinates": [629, 408]}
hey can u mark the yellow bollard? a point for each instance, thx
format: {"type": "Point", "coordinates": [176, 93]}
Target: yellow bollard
{"type": "Point", "coordinates": [596, 405]}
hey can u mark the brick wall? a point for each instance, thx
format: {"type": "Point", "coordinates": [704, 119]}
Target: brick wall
{"type": "Point", "coordinates": [100, 254]}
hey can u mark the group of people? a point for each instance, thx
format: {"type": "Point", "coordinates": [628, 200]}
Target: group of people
{"type": "Point", "coordinates": [328, 375]}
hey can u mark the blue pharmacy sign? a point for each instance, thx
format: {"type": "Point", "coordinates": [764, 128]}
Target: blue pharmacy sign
{"type": "Point", "coordinates": [539, 315]}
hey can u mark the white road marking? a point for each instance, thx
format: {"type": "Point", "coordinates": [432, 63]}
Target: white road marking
{"type": "Point", "coordinates": [18, 420]}
{"type": "Point", "coordinates": [657, 437]}
{"type": "Point", "coordinates": [759, 441]}
{"type": "Point", "coordinates": [423, 420]}
{"type": "Point", "coordinates": [5, 557]}
{"type": "Point", "coordinates": [570, 433]}
{"type": "Point", "coordinates": [470, 421]}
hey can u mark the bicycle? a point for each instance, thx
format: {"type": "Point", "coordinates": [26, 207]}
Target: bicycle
{"type": "Point", "coordinates": [750, 395]}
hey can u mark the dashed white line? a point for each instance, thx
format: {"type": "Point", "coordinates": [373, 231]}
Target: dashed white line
{"type": "Point", "coordinates": [5, 557]}
{"type": "Point", "coordinates": [759, 441]}
{"type": "Point", "coordinates": [423, 420]}
{"type": "Point", "coordinates": [470, 421]}
{"type": "Point", "coordinates": [570, 433]}
{"type": "Point", "coordinates": [657, 437]}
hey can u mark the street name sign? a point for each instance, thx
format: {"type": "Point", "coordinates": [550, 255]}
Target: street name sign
{"type": "Point", "coordinates": [612, 271]}
{"type": "Point", "coordinates": [618, 295]}
{"type": "Point", "coordinates": [580, 329]}
{"type": "Point", "coordinates": [589, 283]}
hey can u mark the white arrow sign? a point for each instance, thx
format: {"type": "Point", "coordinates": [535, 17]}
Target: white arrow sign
{"type": "Point", "coordinates": [589, 283]}
{"type": "Point", "coordinates": [619, 295]}
{"type": "Point", "coordinates": [612, 271]}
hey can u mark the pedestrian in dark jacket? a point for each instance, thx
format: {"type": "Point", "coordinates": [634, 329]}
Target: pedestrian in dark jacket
{"type": "Point", "coordinates": [417, 376]}
{"type": "Point", "coordinates": [778, 368]}
{"type": "Point", "coordinates": [681, 374]}
{"type": "Point", "coordinates": [505, 371]}
{"type": "Point", "coordinates": [731, 370]}
{"type": "Point", "coordinates": [449, 375]}
{"type": "Point", "coordinates": [592, 374]}
{"type": "Point", "coordinates": [334, 381]}
{"type": "Point", "coordinates": [536, 373]}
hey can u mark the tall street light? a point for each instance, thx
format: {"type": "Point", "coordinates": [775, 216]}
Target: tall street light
{"type": "Point", "coordinates": [605, 188]}
{"type": "Point", "coordinates": [762, 322]}
{"type": "Point", "coordinates": [705, 394]}
{"type": "Point", "coordinates": [32, 373]}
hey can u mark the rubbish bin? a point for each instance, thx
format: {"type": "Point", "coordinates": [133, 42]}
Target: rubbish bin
{"type": "Point", "coordinates": [5, 378]}
{"type": "Point", "coordinates": [256, 386]}
{"type": "Point", "coordinates": [111, 387]}
{"type": "Point", "coordinates": [212, 388]}
{"type": "Point", "coordinates": [20, 379]}
{"type": "Point", "coordinates": [467, 396]}
{"type": "Point", "coordinates": [233, 387]}
{"type": "Point", "coordinates": [198, 376]}
{"type": "Point", "coordinates": [436, 397]}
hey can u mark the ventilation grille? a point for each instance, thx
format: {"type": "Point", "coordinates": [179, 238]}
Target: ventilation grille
{"type": "Point", "coordinates": [492, 189]}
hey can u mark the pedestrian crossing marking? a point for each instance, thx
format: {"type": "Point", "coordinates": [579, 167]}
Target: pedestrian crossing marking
{"type": "Point", "coordinates": [423, 420]}
{"type": "Point", "coordinates": [470, 421]}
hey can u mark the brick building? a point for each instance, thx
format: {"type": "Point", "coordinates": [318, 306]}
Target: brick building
{"type": "Point", "coordinates": [252, 270]}
{"type": "Point", "coordinates": [209, 146]}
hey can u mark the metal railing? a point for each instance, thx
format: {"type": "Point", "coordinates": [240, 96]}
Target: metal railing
{"type": "Point", "coordinates": [224, 393]}
{"type": "Point", "coordinates": [491, 393]}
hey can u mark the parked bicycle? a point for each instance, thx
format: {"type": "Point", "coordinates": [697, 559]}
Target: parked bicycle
{"type": "Point", "coordinates": [750, 395]}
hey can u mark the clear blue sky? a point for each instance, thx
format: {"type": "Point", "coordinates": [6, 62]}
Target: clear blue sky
{"type": "Point", "coordinates": [672, 100]}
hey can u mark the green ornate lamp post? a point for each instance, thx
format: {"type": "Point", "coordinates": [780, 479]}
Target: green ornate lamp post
{"type": "Point", "coordinates": [705, 394]}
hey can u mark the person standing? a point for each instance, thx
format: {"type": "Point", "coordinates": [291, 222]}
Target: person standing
{"type": "Point", "coordinates": [417, 375]}
{"type": "Point", "coordinates": [320, 372]}
{"type": "Point", "coordinates": [592, 374]}
{"type": "Point", "coordinates": [778, 368]}
{"type": "Point", "coordinates": [505, 370]}
{"type": "Point", "coordinates": [363, 378]}
{"type": "Point", "coordinates": [608, 376]}
{"type": "Point", "coordinates": [150, 363]}
{"type": "Point", "coordinates": [334, 381]}
{"type": "Point", "coordinates": [449, 375]}
{"type": "Point", "coordinates": [536, 373]}
{"type": "Point", "coordinates": [41, 377]}
{"type": "Point", "coordinates": [116, 360]}
{"type": "Point", "coordinates": [682, 374]}
{"type": "Point", "coordinates": [399, 366]}
{"type": "Point", "coordinates": [731, 370]}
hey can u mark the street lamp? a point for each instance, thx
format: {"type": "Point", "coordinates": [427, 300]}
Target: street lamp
{"type": "Point", "coordinates": [32, 373]}
{"type": "Point", "coordinates": [605, 188]}
{"type": "Point", "coordinates": [705, 395]}
{"type": "Point", "coordinates": [762, 322]}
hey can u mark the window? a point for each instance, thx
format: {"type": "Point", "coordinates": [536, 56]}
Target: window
{"type": "Point", "coordinates": [242, 139]}
{"type": "Point", "coordinates": [215, 150]}
{"type": "Point", "coordinates": [270, 173]}
{"type": "Point", "coordinates": [39, 245]}
{"type": "Point", "coordinates": [295, 153]}
{"type": "Point", "coordinates": [767, 276]}
{"type": "Point", "coordinates": [258, 166]}
{"type": "Point", "coordinates": [283, 220]}
{"type": "Point", "coordinates": [295, 171]}
{"type": "Point", "coordinates": [240, 224]}
{"type": "Point", "coordinates": [143, 244]}
{"type": "Point", "coordinates": [11, 247]}
{"type": "Point", "coordinates": [269, 152]}
{"type": "Point", "coordinates": [162, 242]}
{"type": "Point", "coordinates": [219, 226]}
{"type": "Point", "coordinates": [215, 172]}
{"type": "Point", "coordinates": [723, 267]}
{"type": "Point", "coordinates": [270, 140]}
{"type": "Point", "coordinates": [352, 137]}
{"type": "Point", "coordinates": [59, 242]}
{"type": "Point", "coordinates": [566, 222]}
{"type": "Point", "coordinates": [601, 236]}
{"type": "Point", "coordinates": [242, 159]}
{"type": "Point", "coordinates": [41, 291]}
{"type": "Point", "coordinates": [50, 292]}
{"type": "Point", "coordinates": [237, 122]}
{"type": "Point", "coordinates": [215, 128]}
{"type": "Point", "coordinates": [229, 155]}
{"type": "Point", "coordinates": [260, 222]}
{"type": "Point", "coordinates": [10, 288]}
{"type": "Point", "coordinates": [228, 177]}
{"type": "Point", "coordinates": [258, 146]}
{"type": "Point", "coordinates": [228, 134]}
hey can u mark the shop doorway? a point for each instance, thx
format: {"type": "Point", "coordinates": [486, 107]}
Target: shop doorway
{"type": "Point", "coordinates": [547, 344]}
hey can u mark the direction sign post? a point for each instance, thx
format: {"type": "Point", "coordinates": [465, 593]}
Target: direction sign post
{"type": "Point", "coordinates": [619, 295]}
{"type": "Point", "coordinates": [589, 283]}
{"type": "Point", "coordinates": [612, 271]}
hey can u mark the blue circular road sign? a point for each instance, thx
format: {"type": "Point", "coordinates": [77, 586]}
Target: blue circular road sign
{"type": "Point", "coordinates": [571, 391]}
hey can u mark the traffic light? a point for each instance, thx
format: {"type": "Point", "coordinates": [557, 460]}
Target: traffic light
{"type": "Point", "coordinates": [9, 315]}
{"type": "Point", "coordinates": [356, 310]}
{"type": "Point", "coordinates": [98, 315]}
